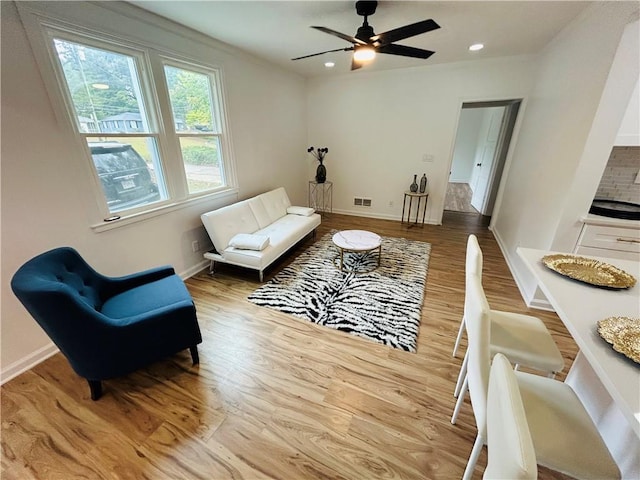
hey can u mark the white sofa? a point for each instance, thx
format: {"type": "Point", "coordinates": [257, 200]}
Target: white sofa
{"type": "Point", "coordinates": [255, 232]}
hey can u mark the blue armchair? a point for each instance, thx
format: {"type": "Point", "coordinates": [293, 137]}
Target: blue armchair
{"type": "Point", "coordinates": [107, 326]}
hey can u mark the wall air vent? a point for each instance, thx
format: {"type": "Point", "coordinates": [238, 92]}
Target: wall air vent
{"type": "Point", "coordinates": [362, 202]}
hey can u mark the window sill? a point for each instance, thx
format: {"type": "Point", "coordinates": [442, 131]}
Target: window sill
{"type": "Point", "coordinates": [162, 210]}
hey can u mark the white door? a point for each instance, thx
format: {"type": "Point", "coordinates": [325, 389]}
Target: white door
{"type": "Point", "coordinates": [485, 156]}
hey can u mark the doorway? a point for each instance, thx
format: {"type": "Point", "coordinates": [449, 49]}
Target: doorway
{"type": "Point", "coordinates": [480, 150]}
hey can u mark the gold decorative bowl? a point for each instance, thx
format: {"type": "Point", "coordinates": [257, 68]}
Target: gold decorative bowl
{"type": "Point", "coordinates": [589, 271]}
{"type": "Point", "coordinates": [623, 333]}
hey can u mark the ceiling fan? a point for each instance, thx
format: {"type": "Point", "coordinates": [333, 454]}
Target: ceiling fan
{"type": "Point", "coordinates": [366, 43]}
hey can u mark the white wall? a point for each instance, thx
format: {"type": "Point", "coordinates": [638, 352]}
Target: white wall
{"type": "Point", "coordinates": [554, 174]}
{"type": "Point", "coordinates": [629, 132]}
{"type": "Point", "coordinates": [46, 197]}
{"type": "Point", "coordinates": [466, 144]}
{"type": "Point", "coordinates": [380, 125]}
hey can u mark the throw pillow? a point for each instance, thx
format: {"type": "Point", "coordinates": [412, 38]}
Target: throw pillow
{"type": "Point", "coordinates": [249, 241]}
{"type": "Point", "coordinates": [304, 211]}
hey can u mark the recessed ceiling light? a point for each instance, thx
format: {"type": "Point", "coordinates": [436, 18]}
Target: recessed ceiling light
{"type": "Point", "coordinates": [329, 64]}
{"type": "Point", "coordinates": [476, 46]}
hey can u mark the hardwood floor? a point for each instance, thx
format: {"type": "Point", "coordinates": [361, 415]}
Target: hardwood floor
{"type": "Point", "coordinates": [274, 397]}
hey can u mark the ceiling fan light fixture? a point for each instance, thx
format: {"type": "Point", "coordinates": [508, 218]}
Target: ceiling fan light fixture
{"type": "Point", "coordinates": [476, 46]}
{"type": "Point", "coordinates": [366, 43]}
{"type": "Point", "coordinates": [364, 53]}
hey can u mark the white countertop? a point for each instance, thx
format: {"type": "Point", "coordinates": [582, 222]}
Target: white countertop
{"type": "Point", "coordinates": [580, 306]}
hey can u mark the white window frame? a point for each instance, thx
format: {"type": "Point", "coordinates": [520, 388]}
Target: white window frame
{"type": "Point", "coordinates": [147, 93]}
{"type": "Point", "coordinates": [215, 84]}
{"type": "Point", "coordinates": [41, 30]}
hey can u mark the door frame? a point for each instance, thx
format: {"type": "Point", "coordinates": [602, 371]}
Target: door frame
{"type": "Point", "coordinates": [506, 153]}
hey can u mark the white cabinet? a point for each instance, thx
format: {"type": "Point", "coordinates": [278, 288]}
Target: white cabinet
{"type": "Point", "coordinates": [610, 241]}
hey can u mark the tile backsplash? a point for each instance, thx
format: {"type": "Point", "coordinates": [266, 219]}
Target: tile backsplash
{"type": "Point", "coordinates": [617, 181]}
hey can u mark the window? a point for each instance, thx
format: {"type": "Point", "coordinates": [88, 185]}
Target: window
{"type": "Point", "coordinates": [193, 106]}
{"type": "Point", "coordinates": [147, 148]}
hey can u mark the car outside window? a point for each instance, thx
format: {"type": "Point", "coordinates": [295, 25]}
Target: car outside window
{"type": "Point", "coordinates": [126, 179]}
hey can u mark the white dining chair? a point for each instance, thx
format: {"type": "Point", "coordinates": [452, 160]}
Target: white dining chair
{"type": "Point", "coordinates": [524, 339]}
{"type": "Point", "coordinates": [563, 436]}
{"type": "Point", "coordinates": [510, 451]}
{"type": "Point", "coordinates": [473, 265]}
{"type": "Point", "coordinates": [532, 419]}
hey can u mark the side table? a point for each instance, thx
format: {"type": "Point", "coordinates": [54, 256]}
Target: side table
{"type": "Point", "coordinates": [321, 196]}
{"type": "Point", "coordinates": [411, 196]}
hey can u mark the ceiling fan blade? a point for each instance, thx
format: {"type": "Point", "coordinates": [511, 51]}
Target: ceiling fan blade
{"type": "Point", "coordinates": [405, 51]}
{"type": "Point", "coordinates": [403, 32]}
{"type": "Point", "coordinates": [343, 36]}
{"type": "Point", "coordinates": [322, 53]}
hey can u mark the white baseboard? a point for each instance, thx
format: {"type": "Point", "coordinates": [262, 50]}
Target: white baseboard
{"type": "Point", "coordinates": [531, 300]}
{"type": "Point", "coordinates": [27, 363]}
{"type": "Point", "coordinates": [190, 272]}
{"type": "Point", "coordinates": [381, 216]}
{"type": "Point", "coordinates": [540, 304]}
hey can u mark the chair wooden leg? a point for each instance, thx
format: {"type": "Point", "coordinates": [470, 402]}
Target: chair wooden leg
{"type": "Point", "coordinates": [194, 354]}
{"type": "Point", "coordinates": [96, 389]}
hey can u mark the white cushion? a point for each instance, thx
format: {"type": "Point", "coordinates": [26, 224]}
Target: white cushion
{"type": "Point", "coordinates": [286, 231]}
{"type": "Point", "coordinates": [510, 448]}
{"type": "Point", "coordinates": [304, 211]}
{"type": "Point", "coordinates": [222, 224]}
{"type": "Point", "coordinates": [563, 434]}
{"type": "Point", "coordinates": [275, 203]}
{"type": "Point", "coordinates": [525, 340]}
{"type": "Point", "coordinates": [249, 241]}
{"type": "Point", "coordinates": [257, 207]}
{"type": "Point", "coordinates": [252, 258]}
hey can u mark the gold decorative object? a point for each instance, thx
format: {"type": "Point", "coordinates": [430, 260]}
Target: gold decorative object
{"type": "Point", "coordinates": [623, 333]}
{"type": "Point", "coordinates": [589, 271]}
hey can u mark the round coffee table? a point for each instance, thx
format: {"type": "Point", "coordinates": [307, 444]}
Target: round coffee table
{"type": "Point", "coordinates": [357, 241]}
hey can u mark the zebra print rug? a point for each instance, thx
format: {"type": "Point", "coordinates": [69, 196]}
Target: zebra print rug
{"type": "Point", "coordinates": [382, 304]}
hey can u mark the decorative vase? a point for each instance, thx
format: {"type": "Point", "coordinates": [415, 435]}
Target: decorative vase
{"type": "Point", "coordinates": [414, 186]}
{"type": "Point", "coordinates": [423, 183]}
{"type": "Point", "coordinates": [321, 173]}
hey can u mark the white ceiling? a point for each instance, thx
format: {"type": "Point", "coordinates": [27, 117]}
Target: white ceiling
{"type": "Point", "coordinates": [279, 30]}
